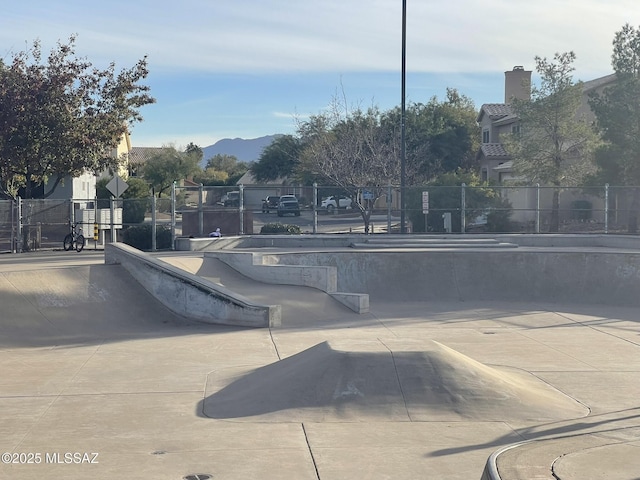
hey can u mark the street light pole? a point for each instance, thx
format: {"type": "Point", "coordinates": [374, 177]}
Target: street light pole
{"type": "Point", "coordinates": [403, 228]}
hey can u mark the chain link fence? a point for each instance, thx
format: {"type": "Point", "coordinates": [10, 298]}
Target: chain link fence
{"type": "Point", "coordinates": [153, 223]}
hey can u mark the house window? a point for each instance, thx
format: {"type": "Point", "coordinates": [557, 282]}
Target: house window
{"type": "Point", "coordinates": [484, 175]}
{"type": "Point", "coordinates": [515, 128]}
{"type": "Point", "coordinates": [485, 136]}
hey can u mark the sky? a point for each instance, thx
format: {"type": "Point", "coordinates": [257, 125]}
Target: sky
{"type": "Point", "coordinates": [249, 68]}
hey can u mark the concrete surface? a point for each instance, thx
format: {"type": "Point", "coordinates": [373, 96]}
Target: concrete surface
{"type": "Point", "coordinates": [189, 295]}
{"type": "Point", "coordinates": [92, 363]}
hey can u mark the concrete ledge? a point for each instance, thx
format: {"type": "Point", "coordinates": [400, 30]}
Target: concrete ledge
{"type": "Point", "coordinates": [265, 268]}
{"type": "Point", "coordinates": [321, 241]}
{"type": "Point", "coordinates": [358, 302]}
{"type": "Point", "coordinates": [189, 295]}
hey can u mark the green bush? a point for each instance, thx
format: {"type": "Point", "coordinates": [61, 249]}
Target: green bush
{"type": "Point", "coordinates": [139, 237]}
{"type": "Point", "coordinates": [280, 228]}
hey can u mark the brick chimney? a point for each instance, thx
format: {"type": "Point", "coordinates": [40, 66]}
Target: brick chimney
{"type": "Point", "coordinates": [517, 84]}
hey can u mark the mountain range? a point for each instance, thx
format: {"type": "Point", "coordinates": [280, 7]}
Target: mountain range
{"type": "Point", "coordinates": [245, 150]}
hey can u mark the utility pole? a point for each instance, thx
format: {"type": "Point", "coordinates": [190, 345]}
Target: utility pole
{"type": "Point", "coordinates": [403, 228]}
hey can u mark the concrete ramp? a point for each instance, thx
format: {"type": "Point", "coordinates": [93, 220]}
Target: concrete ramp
{"type": "Point", "coordinates": [299, 305]}
{"type": "Point", "coordinates": [415, 382]}
{"type": "Point", "coordinates": [78, 305]}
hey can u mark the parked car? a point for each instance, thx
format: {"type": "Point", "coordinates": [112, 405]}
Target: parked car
{"type": "Point", "coordinates": [288, 204]}
{"type": "Point", "coordinates": [330, 204]}
{"type": "Point", "coordinates": [270, 203]}
{"type": "Point", "coordinates": [230, 199]}
{"type": "Point", "coordinates": [479, 223]}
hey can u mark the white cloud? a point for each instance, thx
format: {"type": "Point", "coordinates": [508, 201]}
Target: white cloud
{"type": "Point", "coordinates": [209, 59]}
{"type": "Point", "coordinates": [359, 35]}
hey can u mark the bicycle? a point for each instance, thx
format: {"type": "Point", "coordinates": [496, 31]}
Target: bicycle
{"type": "Point", "coordinates": [75, 239]}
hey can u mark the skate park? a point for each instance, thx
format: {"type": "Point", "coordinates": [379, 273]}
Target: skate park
{"type": "Point", "coordinates": [511, 357]}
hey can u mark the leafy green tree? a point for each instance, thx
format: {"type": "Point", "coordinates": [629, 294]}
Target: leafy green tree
{"type": "Point", "coordinates": [62, 117]}
{"type": "Point", "coordinates": [194, 150]}
{"type": "Point", "coordinates": [168, 166]}
{"type": "Point", "coordinates": [555, 145]}
{"type": "Point", "coordinates": [136, 201]}
{"type": "Point", "coordinates": [228, 164]}
{"type": "Point", "coordinates": [441, 136]}
{"type": "Point", "coordinates": [278, 160]}
{"type": "Point", "coordinates": [617, 112]}
{"type": "Point", "coordinates": [210, 177]}
{"type": "Point", "coordinates": [445, 195]}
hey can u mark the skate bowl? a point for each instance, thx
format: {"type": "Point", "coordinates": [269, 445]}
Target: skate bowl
{"type": "Point", "coordinates": [578, 276]}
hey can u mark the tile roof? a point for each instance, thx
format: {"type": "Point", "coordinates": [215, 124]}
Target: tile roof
{"type": "Point", "coordinates": [497, 110]}
{"type": "Point", "coordinates": [598, 82]}
{"type": "Point", "coordinates": [140, 155]}
{"type": "Point", "coordinates": [493, 150]}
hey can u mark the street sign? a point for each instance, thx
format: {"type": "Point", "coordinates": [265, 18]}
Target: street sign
{"type": "Point", "coordinates": [425, 202]}
{"type": "Point", "coordinates": [117, 186]}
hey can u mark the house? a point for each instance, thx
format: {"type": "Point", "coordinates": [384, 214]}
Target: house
{"type": "Point", "coordinates": [83, 188]}
{"type": "Point", "coordinates": [138, 156]}
{"type": "Point", "coordinates": [498, 119]}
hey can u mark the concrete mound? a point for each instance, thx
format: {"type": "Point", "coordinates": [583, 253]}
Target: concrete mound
{"type": "Point", "coordinates": [374, 383]}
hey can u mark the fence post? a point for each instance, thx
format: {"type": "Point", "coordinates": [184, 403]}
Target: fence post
{"type": "Point", "coordinates": [173, 216]}
{"type": "Point", "coordinates": [200, 211]}
{"type": "Point", "coordinates": [606, 208]}
{"type": "Point", "coordinates": [112, 212]}
{"type": "Point", "coordinates": [389, 198]}
{"type": "Point", "coordinates": [315, 210]}
{"type": "Point", "coordinates": [154, 245]}
{"type": "Point", "coordinates": [241, 208]}
{"type": "Point", "coordinates": [18, 244]}
{"type": "Point", "coordinates": [537, 208]}
{"type": "Point", "coordinates": [463, 210]}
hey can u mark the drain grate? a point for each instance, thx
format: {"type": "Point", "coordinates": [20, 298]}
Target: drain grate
{"type": "Point", "coordinates": [197, 476]}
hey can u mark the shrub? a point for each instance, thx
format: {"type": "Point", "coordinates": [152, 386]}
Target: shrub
{"type": "Point", "coordinates": [139, 237]}
{"type": "Point", "coordinates": [279, 228]}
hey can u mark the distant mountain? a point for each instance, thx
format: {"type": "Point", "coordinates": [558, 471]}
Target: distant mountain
{"type": "Point", "coordinates": [245, 150]}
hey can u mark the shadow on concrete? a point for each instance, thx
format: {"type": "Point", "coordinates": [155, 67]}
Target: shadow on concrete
{"type": "Point", "coordinates": [84, 305]}
{"type": "Point", "coordinates": [435, 383]}
{"type": "Point", "coordinates": [603, 424]}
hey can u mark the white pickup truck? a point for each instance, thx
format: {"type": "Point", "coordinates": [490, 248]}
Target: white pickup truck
{"type": "Point", "coordinates": [331, 203]}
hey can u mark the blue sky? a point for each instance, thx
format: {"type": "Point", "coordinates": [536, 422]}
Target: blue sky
{"type": "Point", "coordinates": [248, 68]}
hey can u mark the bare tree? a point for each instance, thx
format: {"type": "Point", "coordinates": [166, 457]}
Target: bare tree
{"type": "Point", "coordinates": [352, 150]}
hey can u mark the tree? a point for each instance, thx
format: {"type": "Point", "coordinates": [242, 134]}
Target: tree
{"type": "Point", "coordinates": [445, 196]}
{"type": "Point", "coordinates": [62, 117]}
{"type": "Point", "coordinates": [617, 112]}
{"type": "Point", "coordinates": [554, 145]}
{"type": "Point", "coordinates": [226, 164]}
{"type": "Point", "coordinates": [278, 160]}
{"type": "Point", "coordinates": [168, 166]}
{"type": "Point", "coordinates": [352, 151]}
{"type": "Point", "coordinates": [440, 136]}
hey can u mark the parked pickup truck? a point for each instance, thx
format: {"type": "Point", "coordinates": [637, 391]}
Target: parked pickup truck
{"type": "Point", "coordinates": [334, 201]}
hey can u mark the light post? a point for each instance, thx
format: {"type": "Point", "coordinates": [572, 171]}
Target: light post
{"type": "Point", "coordinates": [403, 228]}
